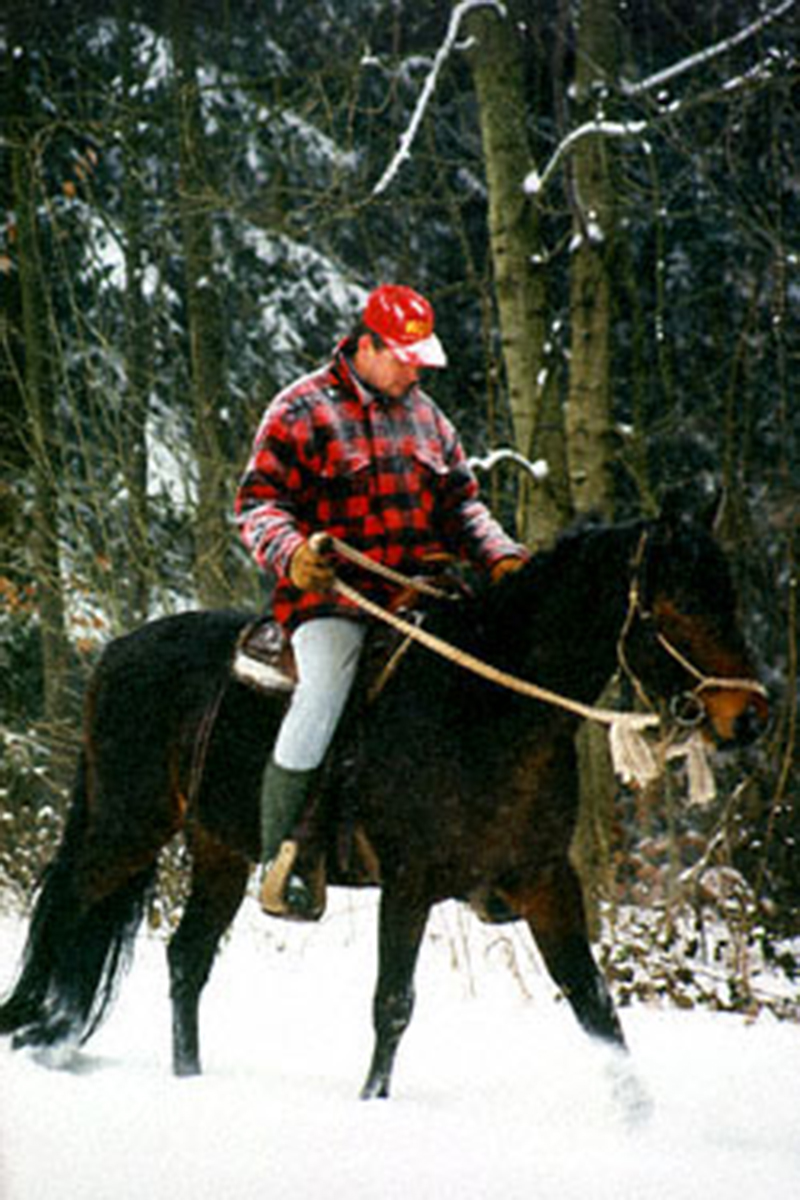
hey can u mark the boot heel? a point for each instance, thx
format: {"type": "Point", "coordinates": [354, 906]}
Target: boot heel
{"type": "Point", "coordinates": [273, 881]}
{"type": "Point", "coordinates": [284, 893]}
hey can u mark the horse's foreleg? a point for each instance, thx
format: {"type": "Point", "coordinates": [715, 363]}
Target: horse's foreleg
{"type": "Point", "coordinates": [553, 907]}
{"type": "Point", "coordinates": [219, 881]}
{"type": "Point", "coordinates": [402, 925]}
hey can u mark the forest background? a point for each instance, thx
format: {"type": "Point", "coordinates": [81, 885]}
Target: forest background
{"type": "Point", "coordinates": [602, 201]}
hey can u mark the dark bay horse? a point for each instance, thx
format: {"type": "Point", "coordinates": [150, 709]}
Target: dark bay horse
{"type": "Point", "coordinates": [462, 789]}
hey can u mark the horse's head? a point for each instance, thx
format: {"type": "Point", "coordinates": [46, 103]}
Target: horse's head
{"type": "Point", "coordinates": [682, 639]}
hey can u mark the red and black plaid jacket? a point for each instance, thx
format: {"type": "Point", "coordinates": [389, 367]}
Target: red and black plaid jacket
{"type": "Point", "coordinates": [388, 476]}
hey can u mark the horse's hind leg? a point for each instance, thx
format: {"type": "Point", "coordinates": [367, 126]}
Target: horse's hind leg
{"type": "Point", "coordinates": [402, 924]}
{"type": "Point", "coordinates": [553, 907]}
{"type": "Point", "coordinates": [218, 884]}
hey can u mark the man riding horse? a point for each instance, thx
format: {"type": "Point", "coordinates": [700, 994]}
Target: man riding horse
{"type": "Point", "coordinates": [358, 450]}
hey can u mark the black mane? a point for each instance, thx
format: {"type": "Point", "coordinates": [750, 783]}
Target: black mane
{"type": "Point", "coordinates": [528, 624]}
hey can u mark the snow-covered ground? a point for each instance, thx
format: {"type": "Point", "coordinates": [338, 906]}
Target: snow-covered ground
{"type": "Point", "coordinates": [497, 1094]}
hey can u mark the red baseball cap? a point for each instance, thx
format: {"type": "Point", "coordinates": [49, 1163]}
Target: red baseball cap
{"type": "Point", "coordinates": [404, 321]}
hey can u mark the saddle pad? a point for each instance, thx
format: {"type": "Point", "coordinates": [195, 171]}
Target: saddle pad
{"type": "Point", "coordinates": [263, 658]}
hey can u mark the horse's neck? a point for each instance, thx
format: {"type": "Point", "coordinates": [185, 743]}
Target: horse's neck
{"type": "Point", "coordinates": [577, 604]}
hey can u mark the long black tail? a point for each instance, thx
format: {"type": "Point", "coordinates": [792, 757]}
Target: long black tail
{"type": "Point", "coordinates": [75, 949]}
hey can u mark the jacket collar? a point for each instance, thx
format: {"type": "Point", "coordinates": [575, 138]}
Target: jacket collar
{"type": "Point", "coordinates": [352, 382]}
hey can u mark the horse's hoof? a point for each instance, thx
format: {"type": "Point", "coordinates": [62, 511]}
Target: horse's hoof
{"type": "Point", "coordinates": [186, 1069]}
{"type": "Point", "coordinates": [629, 1095]}
{"type": "Point", "coordinates": [376, 1088]}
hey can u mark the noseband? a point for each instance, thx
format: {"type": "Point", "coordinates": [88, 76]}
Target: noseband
{"type": "Point", "coordinates": [686, 708]}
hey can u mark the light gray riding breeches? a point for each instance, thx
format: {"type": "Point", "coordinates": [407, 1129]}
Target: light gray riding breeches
{"type": "Point", "coordinates": [326, 650]}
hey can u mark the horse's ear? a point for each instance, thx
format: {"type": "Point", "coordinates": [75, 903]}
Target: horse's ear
{"type": "Point", "coordinates": [698, 501]}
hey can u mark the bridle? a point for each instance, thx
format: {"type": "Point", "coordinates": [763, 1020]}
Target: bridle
{"type": "Point", "coordinates": [686, 708]}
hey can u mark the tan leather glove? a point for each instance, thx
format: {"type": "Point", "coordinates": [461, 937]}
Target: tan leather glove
{"type": "Point", "coordinates": [506, 566]}
{"type": "Point", "coordinates": [311, 571]}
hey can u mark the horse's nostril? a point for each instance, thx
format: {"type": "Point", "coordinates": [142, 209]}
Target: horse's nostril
{"type": "Point", "coordinates": [748, 726]}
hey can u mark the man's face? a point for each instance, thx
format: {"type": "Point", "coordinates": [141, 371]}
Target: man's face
{"type": "Point", "coordinates": [380, 370]}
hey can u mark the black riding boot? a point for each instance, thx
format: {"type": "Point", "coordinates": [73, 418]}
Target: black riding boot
{"type": "Point", "coordinates": [284, 892]}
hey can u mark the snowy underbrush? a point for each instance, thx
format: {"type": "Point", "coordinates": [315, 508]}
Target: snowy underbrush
{"type": "Point", "coordinates": [694, 956]}
{"type": "Point", "coordinates": [30, 813]}
{"type": "Point", "coordinates": [668, 956]}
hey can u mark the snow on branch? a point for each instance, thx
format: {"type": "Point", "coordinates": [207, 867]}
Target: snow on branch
{"type": "Point", "coordinates": [534, 182]}
{"type": "Point", "coordinates": [704, 56]}
{"type": "Point", "coordinates": [538, 470]}
{"type": "Point", "coordinates": [407, 140]}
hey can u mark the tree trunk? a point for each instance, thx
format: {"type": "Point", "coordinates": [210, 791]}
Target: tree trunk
{"type": "Point", "coordinates": [519, 282]}
{"type": "Point", "coordinates": [212, 533]}
{"type": "Point", "coordinates": [138, 344]}
{"type": "Point", "coordinates": [38, 402]}
{"type": "Point", "coordinates": [15, 457]}
{"type": "Point", "coordinates": [588, 418]}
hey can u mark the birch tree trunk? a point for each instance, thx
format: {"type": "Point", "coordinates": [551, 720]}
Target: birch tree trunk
{"type": "Point", "coordinates": [212, 533]}
{"type": "Point", "coordinates": [588, 420]}
{"type": "Point", "coordinates": [519, 283]}
{"type": "Point", "coordinates": [588, 415]}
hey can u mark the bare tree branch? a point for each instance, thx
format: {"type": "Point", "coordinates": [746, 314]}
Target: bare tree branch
{"type": "Point", "coordinates": [704, 56]}
{"type": "Point", "coordinates": [535, 181]}
{"type": "Point", "coordinates": [407, 139]}
{"type": "Point", "coordinates": [538, 470]}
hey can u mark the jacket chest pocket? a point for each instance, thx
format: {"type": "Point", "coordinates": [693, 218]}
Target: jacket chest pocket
{"type": "Point", "coordinates": [340, 494]}
{"type": "Point", "coordinates": [347, 471]}
{"type": "Point", "coordinates": [426, 472]}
